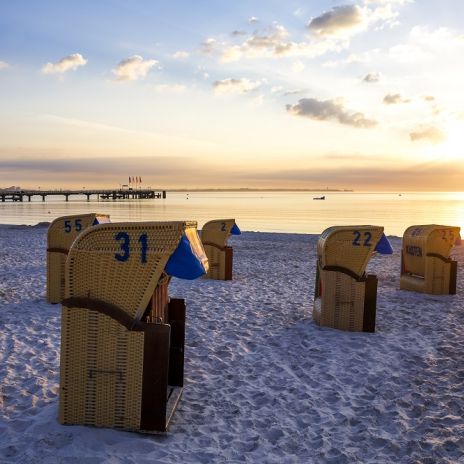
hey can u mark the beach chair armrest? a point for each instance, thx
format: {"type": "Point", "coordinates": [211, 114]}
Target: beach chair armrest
{"type": "Point", "coordinates": [346, 271]}
{"type": "Point", "coordinates": [108, 309]}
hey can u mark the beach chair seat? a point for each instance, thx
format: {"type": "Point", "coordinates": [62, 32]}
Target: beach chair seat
{"type": "Point", "coordinates": [425, 259]}
{"type": "Point", "coordinates": [345, 296]}
{"type": "Point", "coordinates": [61, 234]}
{"type": "Point", "coordinates": [214, 236]}
{"type": "Point", "coordinates": [122, 337]}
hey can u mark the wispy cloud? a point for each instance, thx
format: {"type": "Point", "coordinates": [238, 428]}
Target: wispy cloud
{"type": "Point", "coordinates": [209, 45]}
{"type": "Point", "coordinates": [274, 41]}
{"type": "Point", "coordinates": [253, 19]}
{"type": "Point", "coordinates": [133, 68]}
{"type": "Point", "coordinates": [4, 64]}
{"type": "Point", "coordinates": [326, 110]}
{"type": "Point", "coordinates": [68, 63]}
{"type": "Point", "coordinates": [395, 99]}
{"type": "Point", "coordinates": [181, 55]}
{"type": "Point", "coordinates": [235, 86]}
{"type": "Point", "coordinates": [371, 77]}
{"type": "Point", "coordinates": [427, 134]}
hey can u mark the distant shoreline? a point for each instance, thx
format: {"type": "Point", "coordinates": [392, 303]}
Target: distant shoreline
{"type": "Point", "coordinates": [257, 190]}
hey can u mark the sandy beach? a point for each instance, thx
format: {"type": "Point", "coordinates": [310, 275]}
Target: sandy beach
{"type": "Point", "coordinates": [263, 383]}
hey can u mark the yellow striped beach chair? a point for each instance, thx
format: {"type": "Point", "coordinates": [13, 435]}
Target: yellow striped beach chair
{"type": "Point", "coordinates": [345, 296]}
{"type": "Point", "coordinates": [214, 237]}
{"type": "Point", "coordinates": [425, 259]}
{"type": "Point", "coordinates": [122, 337]}
{"type": "Point", "coordinates": [61, 234]}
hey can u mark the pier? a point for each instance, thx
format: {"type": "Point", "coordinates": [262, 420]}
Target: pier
{"type": "Point", "coordinates": [104, 194]}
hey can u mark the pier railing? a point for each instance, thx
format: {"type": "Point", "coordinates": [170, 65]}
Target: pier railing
{"type": "Point", "coordinates": [104, 194]}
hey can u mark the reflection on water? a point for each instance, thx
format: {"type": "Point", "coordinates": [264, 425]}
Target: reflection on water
{"type": "Point", "coordinates": [262, 211]}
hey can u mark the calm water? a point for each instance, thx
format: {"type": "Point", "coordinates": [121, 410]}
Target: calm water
{"type": "Point", "coordinates": [262, 211]}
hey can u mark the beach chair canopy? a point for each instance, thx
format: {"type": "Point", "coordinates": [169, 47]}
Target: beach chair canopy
{"type": "Point", "coordinates": [217, 232]}
{"type": "Point", "coordinates": [422, 241]}
{"type": "Point", "coordinates": [349, 248]}
{"type": "Point", "coordinates": [63, 230]}
{"type": "Point", "coordinates": [61, 234]}
{"type": "Point", "coordinates": [121, 263]}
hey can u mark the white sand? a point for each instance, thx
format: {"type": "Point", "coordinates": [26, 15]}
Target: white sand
{"type": "Point", "coordinates": [263, 384]}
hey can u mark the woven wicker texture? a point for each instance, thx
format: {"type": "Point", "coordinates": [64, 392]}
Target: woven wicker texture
{"type": "Point", "coordinates": [217, 262]}
{"type": "Point", "coordinates": [101, 361]}
{"type": "Point", "coordinates": [61, 234]}
{"type": "Point", "coordinates": [349, 247]}
{"type": "Point", "coordinates": [121, 263]}
{"type": "Point", "coordinates": [421, 270]}
{"type": "Point", "coordinates": [217, 231]}
{"type": "Point", "coordinates": [214, 237]}
{"type": "Point", "coordinates": [342, 303]}
{"type": "Point", "coordinates": [101, 371]}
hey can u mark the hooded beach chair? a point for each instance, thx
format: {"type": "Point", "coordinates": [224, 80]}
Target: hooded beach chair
{"type": "Point", "coordinates": [214, 236]}
{"type": "Point", "coordinates": [425, 259]}
{"type": "Point", "coordinates": [61, 234]}
{"type": "Point", "coordinates": [345, 296]}
{"type": "Point", "coordinates": [122, 338]}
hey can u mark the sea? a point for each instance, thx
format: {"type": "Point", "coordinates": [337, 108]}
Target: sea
{"type": "Point", "coordinates": [263, 211]}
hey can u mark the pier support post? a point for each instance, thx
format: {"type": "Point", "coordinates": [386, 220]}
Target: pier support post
{"type": "Point", "coordinates": [88, 196]}
{"type": "Point", "coordinates": [43, 197]}
{"type": "Point", "coordinates": [164, 194]}
{"type": "Point", "coordinates": [67, 196]}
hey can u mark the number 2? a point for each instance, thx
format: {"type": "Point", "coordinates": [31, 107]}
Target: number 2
{"type": "Point", "coordinates": [357, 237]}
{"type": "Point", "coordinates": [223, 227]}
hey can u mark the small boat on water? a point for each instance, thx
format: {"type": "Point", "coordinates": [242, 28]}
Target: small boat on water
{"type": "Point", "coordinates": [319, 198]}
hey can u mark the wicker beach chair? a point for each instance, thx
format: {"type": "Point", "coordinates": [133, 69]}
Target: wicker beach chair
{"type": "Point", "coordinates": [122, 338]}
{"type": "Point", "coordinates": [425, 259]}
{"type": "Point", "coordinates": [61, 234]}
{"type": "Point", "coordinates": [345, 297]}
{"type": "Point", "coordinates": [214, 236]}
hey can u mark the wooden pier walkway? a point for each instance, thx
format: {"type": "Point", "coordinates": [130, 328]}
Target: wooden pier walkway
{"type": "Point", "coordinates": [104, 194]}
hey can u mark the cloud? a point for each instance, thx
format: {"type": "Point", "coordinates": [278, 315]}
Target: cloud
{"type": "Point", "coordinates": [4, 64]}
{"type": "Point", "coordinates": [237, 33]}
{"type": "Point", "coordinates": [346, 19]}
{"type": "Point", "coordinates": [235, 86]}
{"type": "Point", "coordinates": [253, 19]}
{"type": "Point", "coordinates": [428, 134]}
{"type": "Point", "coordinates": [394, 99]}
{"type": "Point", "coordinates": [133, 68]}
{"type": "Point", "coordinates": [294, 92]}
{"type": "Point", "coordinates": [325, 110]}
{"type": "Point", "coordinates": [428, 98]}
{"type": "Point", "coordinates": [68, 63]}
{"type": "Point", "coordinates": [274, 42]}
{"type": "Point", "coordinates": [181, 55]}
{"type": "Point", "coordinates": [372, 77]}
{"type": "Point", "coordinates": [209, 45]}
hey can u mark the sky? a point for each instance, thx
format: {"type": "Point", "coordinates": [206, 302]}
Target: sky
{"type": "Point", "coordinates": [362, 94]}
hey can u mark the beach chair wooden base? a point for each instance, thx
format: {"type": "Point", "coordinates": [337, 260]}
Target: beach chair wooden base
{"type": "Point", "coordinates": [344, 301]}
{"type": "Point", "coordinates": [119, 373]}
{"type": "Point", "coordinates": [220, 261]}
{"type": "Point", "coordinates": [440, 277]}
